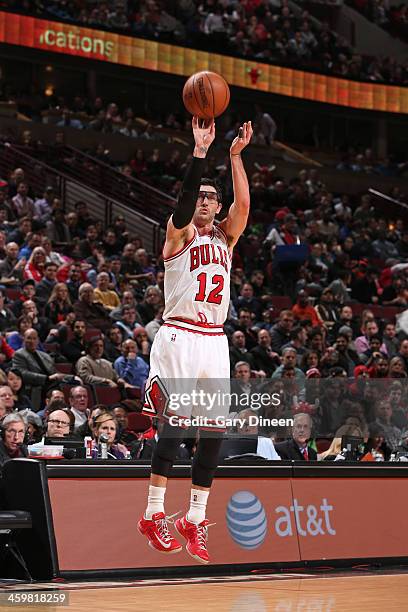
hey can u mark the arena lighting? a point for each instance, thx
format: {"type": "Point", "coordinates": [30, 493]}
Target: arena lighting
{"type": "Point", "coordinates": [69, 39]}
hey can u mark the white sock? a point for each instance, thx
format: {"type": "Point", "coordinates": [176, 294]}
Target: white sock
{"type": "Point", "coordinates": [198, 505]}
{"type": "Point", "coordinates": [155, 501]}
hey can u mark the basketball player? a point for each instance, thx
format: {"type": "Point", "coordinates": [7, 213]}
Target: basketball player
{"type": "Point", "coordinates": [191, 343]}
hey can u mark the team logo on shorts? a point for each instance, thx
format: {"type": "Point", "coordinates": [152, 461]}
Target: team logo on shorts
{"type": "Point", "coordinates": [246, 520]}
{"type": "Point", "coordinates": [173, 337]}
{"type": "Point", "coordinates": [156, 398]}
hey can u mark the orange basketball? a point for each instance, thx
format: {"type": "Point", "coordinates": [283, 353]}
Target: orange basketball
{"type": "Point", "coordinates": [206, 94]}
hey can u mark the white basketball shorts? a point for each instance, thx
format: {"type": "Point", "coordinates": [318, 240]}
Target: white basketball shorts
{"type": "Point", "coordinates": [189, 380]}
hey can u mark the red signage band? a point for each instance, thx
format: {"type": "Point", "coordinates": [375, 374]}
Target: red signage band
{"type": "Point", "coordinates": [70, 39]}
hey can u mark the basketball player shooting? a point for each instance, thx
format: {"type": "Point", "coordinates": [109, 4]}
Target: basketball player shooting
{"type": "Point", "coordinates": [191, 343]}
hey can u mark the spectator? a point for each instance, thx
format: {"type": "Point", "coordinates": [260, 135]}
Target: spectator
{"type": "Point", "coordinates": [78, 404]}
{"type": "Point", "coordinates": [93, 369]}
{"type": "Point", "coordinates": [238, 351]}
{"type": "Point", "coordinates": [280, 333]}
{"type": "Point", "coordinates": [59, 422]}
{"type": "Point", "coordinates": [105, 423]}
{"type": "Point", "coordinates": [34, 268]}
{"type": "Point", "coordinates": [46, 285]}
{"type": "Point", "coordinates": [131, 368]}
{"type": "Point", "coordinates": [12, 445]}
{"type": "Point", "coordinates": [59, 304]}
{"type": "Point", "coordinates": [289, 359]}
{"type": "Point", "coordinates": [103, 295]}
{"type": "Point", "coordinates": [303, 311]}
{"type": "Point", "coordinates": [89, 311]}
{"type": "Point", "coordinates": [16, 384]}
{"type": "Point", "coordinates": [36, 367]}
{"type": "Point", "coordinates": [297, 447]}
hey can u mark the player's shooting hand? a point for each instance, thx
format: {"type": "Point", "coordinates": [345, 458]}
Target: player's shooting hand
{"type": "Point", "coordinates": [204, 134]}
{"type": "Point", "coordinates": [243, 138]}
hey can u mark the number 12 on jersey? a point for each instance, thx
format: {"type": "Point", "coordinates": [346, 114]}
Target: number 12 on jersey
{"type": "Point", "coordinates": [214, 297]}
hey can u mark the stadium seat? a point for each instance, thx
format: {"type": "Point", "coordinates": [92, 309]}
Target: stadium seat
{"type": "Point", "coordinates": [106, 395]}
{"type": "Point", "coordinates": [92, 332]}
{"type": "Point", "coordinates": [138, 422]}
{"type": "Point", "coordinates": [12, 293]}
{"type": "Point", "coordinates": [51, 347]}
{"type": "Point", "coordinates": [281, 302]}
{"type": "Point", "coordinates": [64, 368]}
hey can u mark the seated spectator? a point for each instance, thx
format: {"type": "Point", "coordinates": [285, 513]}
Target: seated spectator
{"type": "Point", "coordinates": [16, 339]}
{"type": "Point", "coordinates": [22, 205]}
{"type": "Point", "coordinates": [303, 311]}
{"type": "Point", "coordinates": [130, 367]}
{"type": "Point", "coordinates": [46, 285]}
{"type": "Point", "coordinates": [113, 343]}
{"type": "Point", "coordinates": [36, 367]}
{"type": "Point", "coordinates": [403, 352]}
{"type": "Point", "coordinates": [11, 267]}
{"type": "Point", "coordinates": [397, 368]}
{"type": "Point", "coordinates": [34, 426]}
{"type": "Point", "coordinates": [78, 404]}
{"type": "Point", "coordinates": [128, 299]}
{"type": "Point", "coordinates": [85, 430]}
{"type": "Point", "coordinates": [143, 344]}
{"type": "Point", "coordinates": [40, 324]}
{"type": "Point", "coordinates": [103, 295]}
{"type": "Point", "coordinates": [399, 409]}
{"type": "Point", "coordinates": [298, 339]}
{"type": "Point", "coordinates": [89, 311]}
{"type": "Point", "coordinates": [75, 348]}
{"type": "Point", "coordinates": [34, 268]}
{"type": "Point", "coordinates": [59, 304]}
{"type": "Point", "coordinates": [153, 326]}
{"type": "Point", "coordinates": [376, 445]}
{"type": "Point", "coordinates": [59, 422]}
{"type": "Point", "coordinates": [128, 321]}
{"type": "Point", "coordinates": [263, 357]}
{"type": "Point", "coordinates": [289, 360]}
{"type": "Point", "coordinates": [280, 332]}
{"type": "Point", "coordinates": [238, 351]}
{"type": "Point", "coordinates": [57, 229]}
{"type": "Point", "coordinates": [43, 206]}
{"type": "Point", "coordinates": [12, 442]}
{"type": "Point", "coordinates": [265, 447]}
{"type": "Point", "coordinates": [147, 308]}
{"type": "Point", "coordinates": [332, 452]}
{"type": "Point", "coordinates": [7, 317]}
{"type": "Point", "coordinates": [362, 343]}
{"type": "Point", "coordinates": [326, 310]}
{"type": "Point", "coordinates": [106, 423]}
{"type": "Point", "coordinates": [7, 398]}
{"type": "Point", "coordinates": [384, 413]}
{"type": "Point", "coordinates": [16, 384]}
{"type": "Point", "coordinates": [94, 370]}
{"type": "Point", "coordinates": [297, 447]}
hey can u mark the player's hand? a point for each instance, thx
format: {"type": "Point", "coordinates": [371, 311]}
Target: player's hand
{"type": "Point", "coordinates": [204, 134]}
{"type": "Point", "coordinates": [242, 140]}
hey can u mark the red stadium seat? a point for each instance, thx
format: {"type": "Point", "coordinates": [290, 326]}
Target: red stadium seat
{"type": "Point", "coordinates": [12, 293]}
{"type": "Point", "coordinates": [138, 422]}
{"type": "Point", "coordinates": [107, 395]}
{"type": "Point", "coordinates": [51, 347]}
{"type": "Point", "coordinates": [281, 302]}
{"type": "Point", "coordinates": [64, 368]}
{"type": "Point", "coordinates": [92, 332]}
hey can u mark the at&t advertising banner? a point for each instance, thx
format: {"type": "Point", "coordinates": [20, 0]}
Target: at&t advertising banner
{"type": "Point", "coordinates": [257, 520]}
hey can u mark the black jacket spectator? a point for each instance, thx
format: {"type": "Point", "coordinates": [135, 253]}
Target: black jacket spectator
{"type": "Point", "coordinates": [290, 450]}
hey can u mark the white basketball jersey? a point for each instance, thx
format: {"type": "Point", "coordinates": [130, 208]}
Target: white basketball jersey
{"type": "Point", "coordinates": [197, 280]}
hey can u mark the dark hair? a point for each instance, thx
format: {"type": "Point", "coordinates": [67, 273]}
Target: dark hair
{"type": "Point", "coordinates": [212, 183]}
{"type": "Point", "coordinates": [18, 373]}
{"type": "Point", "coordinates": [295, 332]}
{"type": "Point", "coordinates": [49, 264]}
{"type": "Point", "coordinates": [60, 405]}
{"type": "Point", "coordinates": [92, 341]}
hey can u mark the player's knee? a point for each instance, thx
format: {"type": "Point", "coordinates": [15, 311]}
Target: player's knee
{"type": "Point", "coordinates": [166, 450]}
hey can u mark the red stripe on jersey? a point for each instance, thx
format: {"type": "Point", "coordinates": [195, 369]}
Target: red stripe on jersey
{"type": "Point", "coordinates": [182, 250]}
{"type": "Point", "coordinates": [194, 331]}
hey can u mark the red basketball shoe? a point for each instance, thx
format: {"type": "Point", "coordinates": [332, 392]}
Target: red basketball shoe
{"type": "Point", "coordinates": [196, 536]}
{"type": "Point", "coordinates": [158, 534]}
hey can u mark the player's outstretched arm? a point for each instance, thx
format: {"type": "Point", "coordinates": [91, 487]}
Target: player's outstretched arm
{"type": "Point", "coordinates": [237, 217]}
{"type": "Point", "coordinates": [179, 227]}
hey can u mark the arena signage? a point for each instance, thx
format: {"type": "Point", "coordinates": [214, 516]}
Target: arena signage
{"type": "Point", "coordinates": [257, 520]}
{"type": "Point", "coordinates": [69, 39]}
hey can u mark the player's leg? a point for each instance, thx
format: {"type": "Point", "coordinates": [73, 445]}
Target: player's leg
{"type": "Point", "coordinates": [194, 525]}
{"type": "Point", "coordinates": [153, 524]}
{"type": "Point", "coordinates": [167, 366]}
